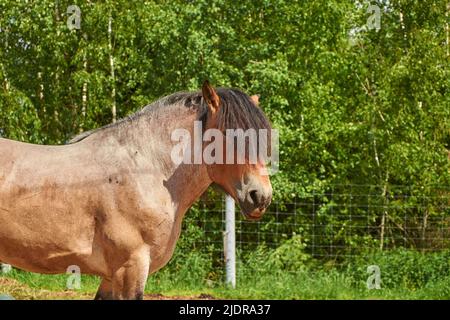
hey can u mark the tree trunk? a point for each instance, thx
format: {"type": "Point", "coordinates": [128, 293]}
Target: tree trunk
{"type": "Point", "coordinates": [424, 228]}
{"type": "Point", "coordinates": [40, 87]}
{"type": "Point", "coordinates": [111, 64]}
{"type": "Point", "coordinates": [385, 213]}
{"type": "Point", "coordinates": [402, 24]}
{"type": "Point", "coordinates": [447, 33]}
{"type": "Point", "coordinates": [57, 71]}
{"type": "Point", "coordinates": [84, 90]}
{"type": "Point", "coordinates": [6, 84]}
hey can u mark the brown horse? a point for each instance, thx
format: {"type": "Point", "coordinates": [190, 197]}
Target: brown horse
{"type": "Point", "coordinates": [112, 200]}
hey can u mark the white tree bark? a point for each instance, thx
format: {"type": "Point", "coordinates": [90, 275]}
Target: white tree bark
{"type": "Point", "coordinates": [447, 33]}
{"type": "Point", "coordinates": [402, 24]}
{"type": "Point", "coordinates": [84, 90]}
{"type": "Point", "coordinates": [6, 80]}
{"type": "Point", "coordinates": [112, 70]}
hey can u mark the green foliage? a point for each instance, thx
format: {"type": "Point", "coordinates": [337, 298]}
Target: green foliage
{"type": "Point", "coordinates": [353, 107]}
{"type": "Point", "coordinates": [19, 116]}
{"type": "Point", "coordinates": [290, 256]}
{"type": "Point", "coordinates": [402, 268]}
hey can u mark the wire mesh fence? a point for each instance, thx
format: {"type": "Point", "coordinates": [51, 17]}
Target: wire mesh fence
{"type": "Point", "coordinates": [342, 222]}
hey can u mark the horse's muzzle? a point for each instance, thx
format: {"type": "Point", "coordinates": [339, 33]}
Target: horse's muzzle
{"type": "Point", "coordinates": [254, 215]}
{"type": "Point", "coordinates": [254, 205]}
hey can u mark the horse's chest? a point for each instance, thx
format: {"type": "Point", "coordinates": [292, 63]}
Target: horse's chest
{"type": "Point", "coordinates": [163, 245]}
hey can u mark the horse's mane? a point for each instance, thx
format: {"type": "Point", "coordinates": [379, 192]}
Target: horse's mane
{"type": "Point", "coordinates": [237, 111]}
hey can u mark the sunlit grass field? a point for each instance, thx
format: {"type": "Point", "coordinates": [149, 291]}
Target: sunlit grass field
{"type": "Point", "coordinates": [404, 275]}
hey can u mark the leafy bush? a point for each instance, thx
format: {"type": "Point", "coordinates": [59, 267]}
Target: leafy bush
{"type": "Point", "coordinates": [401, 267]}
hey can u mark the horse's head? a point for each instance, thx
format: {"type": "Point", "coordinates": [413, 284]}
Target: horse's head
{"type": "Point", "coordinates": [244, 128]}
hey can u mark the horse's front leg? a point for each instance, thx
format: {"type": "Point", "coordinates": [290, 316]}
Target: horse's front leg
{"type": "Point", "coordinates": [129, 280]}
{"type": "Point", "coordinates": [105, 290]}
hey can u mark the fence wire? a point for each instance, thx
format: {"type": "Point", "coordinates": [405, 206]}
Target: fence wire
{"type": "Point", "coordinates": [342, 222]}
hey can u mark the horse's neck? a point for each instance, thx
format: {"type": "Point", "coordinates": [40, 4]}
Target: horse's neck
{"type": "Point", "coordinates": [185, 182]}
{"type": "Point", "coordinates": [149, 140]}
{"type": "Point", "coordinates": [186, 185]}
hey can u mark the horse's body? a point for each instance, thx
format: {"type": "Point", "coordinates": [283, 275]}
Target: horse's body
{"type": "Point", "coordinates": [110, 203]}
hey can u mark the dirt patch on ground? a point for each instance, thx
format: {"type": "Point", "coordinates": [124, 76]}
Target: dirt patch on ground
{"type": "Point", "coordinates": [158, 296]}
{"type": "Point", "coordinates": [20, 291]}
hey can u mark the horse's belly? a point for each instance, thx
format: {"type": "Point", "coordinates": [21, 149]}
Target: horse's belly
{"type": "Point", "coordinates": [46, 241]}
{"type": "Point", "coordinates": [53, 262]}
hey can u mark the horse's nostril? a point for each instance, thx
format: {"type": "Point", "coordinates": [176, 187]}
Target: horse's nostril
{"type": "Point", "coordinates": [254, 196]}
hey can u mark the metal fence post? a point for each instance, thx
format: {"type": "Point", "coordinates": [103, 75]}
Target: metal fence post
{"type": "Point", "coordinates": [230, 242]}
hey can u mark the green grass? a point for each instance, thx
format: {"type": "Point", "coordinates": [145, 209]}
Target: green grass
{"type": "Point", "coordinates": [270, 274]}
{"type": "Point", "coordinates": [279, 285]}
{"type": "Point", "coordinates": [302, 285]}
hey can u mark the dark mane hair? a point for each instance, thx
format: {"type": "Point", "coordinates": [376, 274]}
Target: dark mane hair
{"type": "Point", "coordinates": [237, 111]}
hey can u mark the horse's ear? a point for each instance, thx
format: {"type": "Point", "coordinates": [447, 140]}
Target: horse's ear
{"type": "Point", "coordinates": [211, 97]}
{"type": "Point", "coordinates": [255, 99]}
